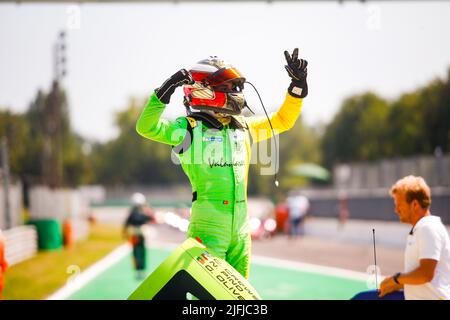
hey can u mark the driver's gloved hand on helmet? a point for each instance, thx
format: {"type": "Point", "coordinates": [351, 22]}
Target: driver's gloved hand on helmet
{"type": "Point", "coordinates": [297, 70]}
{"type": "Point", "coordinates": [165, 91]}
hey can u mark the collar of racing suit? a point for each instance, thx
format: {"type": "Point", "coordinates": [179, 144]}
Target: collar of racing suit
{"type": "Point", "coordinates": [212, 122]}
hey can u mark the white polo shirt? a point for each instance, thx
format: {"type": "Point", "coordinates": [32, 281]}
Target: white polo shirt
{"type": "Point", "coordinates": [429, 240]}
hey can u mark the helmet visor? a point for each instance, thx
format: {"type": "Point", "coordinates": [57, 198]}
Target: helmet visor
{"type": "Point", "coordinates": [227, 74]}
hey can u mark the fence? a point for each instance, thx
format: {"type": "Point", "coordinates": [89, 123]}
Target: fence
{"type": "Point", "coordinates": [370, 204]}
{"type": "Point", "coordinates": [20, 244]}
{"type": "Point", "coordinates": [61, 204]}
{"type": "Point", "coordinates": [383, 173]}
{"type": "Point", "coordinates": [15, 206]}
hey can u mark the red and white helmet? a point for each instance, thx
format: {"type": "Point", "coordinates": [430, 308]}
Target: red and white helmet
{"type": "Point", "coordinates": [218, 87]}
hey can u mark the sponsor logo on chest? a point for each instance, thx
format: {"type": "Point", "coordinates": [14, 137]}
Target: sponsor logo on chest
{"type": "Point", "coordinates": [213, 139]}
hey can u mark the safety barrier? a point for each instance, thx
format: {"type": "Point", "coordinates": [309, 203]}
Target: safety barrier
{"type": "Point", "coordinates": [64, 205]}
{"type": "Point", "coordinates": [15, 207]}
{"type": "Point", "coordinates": [20, 244]}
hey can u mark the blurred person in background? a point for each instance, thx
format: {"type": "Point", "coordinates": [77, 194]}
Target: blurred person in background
{"type": "Point", "coordinates": [213, 145]}
{"type": "Point", "coordinates": [426, 274]}
{"type": "Point", "coordinates": [298, 207]}
{"type": "Point", "coordinates": [3, 263]}
{"type": "Point", "coordinates": [343, 211]}
{"type": "Point", "coordinates": [140, 214]}
{"type": "Point", "coordinates": [282, 216]}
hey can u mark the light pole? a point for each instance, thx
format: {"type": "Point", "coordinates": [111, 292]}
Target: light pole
{"type": "Point", "coordinates": [5, 179]}
{"type": "Point", "coordinates": [52, 157]}
{"type": "Point", "coordinates": [59, 59]}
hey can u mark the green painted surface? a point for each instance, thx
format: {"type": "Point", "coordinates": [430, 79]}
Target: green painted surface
{"type": "Point", "coordinates": [118, 281]}
{"type": "Point", "coordinates": [271, 282]}
{"type": "Point", "coordinates": [274, 283]}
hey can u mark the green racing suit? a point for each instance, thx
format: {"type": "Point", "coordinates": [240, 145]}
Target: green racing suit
{"type": "Point", "coordinates": [216, 161]}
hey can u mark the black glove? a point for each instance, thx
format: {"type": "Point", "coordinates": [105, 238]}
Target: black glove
{"type": "Point", "coordinates": [180, 78]}
{"type": "Point", "coordinates": [297, 70]}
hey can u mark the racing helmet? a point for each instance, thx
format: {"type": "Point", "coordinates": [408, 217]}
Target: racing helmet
{"type": "Point", "coordinates": [218, 87]}
{"type": "Point", "coordinates": [138, 199]}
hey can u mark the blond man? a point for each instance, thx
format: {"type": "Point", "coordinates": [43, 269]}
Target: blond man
{"type": "Point", "coordinates": [426, 274]}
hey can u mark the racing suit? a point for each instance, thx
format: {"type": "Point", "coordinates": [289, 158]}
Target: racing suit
{"type": "Point", "coordinates": [216, 162]}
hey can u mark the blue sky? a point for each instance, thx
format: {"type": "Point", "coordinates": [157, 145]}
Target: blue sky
{"type": "Point", "coordinates": [116, 51]}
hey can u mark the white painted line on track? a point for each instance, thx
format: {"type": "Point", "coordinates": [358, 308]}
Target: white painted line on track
{"type": "Point", "coordinates": [312, 268]}
{"type": "Point", "coordinates": [93, 271]}
{"type": "Point", "coordinates": [90, 273]}
{"type": "Point", "coordinates": [289, 264]}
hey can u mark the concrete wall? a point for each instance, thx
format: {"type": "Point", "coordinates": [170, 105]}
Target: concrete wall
{"type": "Point", "coordinates": [371, 204]}
{"type": "Point", "coordinates": [15, 206]}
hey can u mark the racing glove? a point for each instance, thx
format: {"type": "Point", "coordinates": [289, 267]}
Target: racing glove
{"type": "Point", "coordinates": [297, 70]}
{"type": "Point", "coordinates": [165, 91]}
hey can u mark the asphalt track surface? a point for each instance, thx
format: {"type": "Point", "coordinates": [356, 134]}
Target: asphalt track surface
{"type": "Point", "coordinates": [329, 262]}
{"type": "Point", "coordinates": [270, 281]}
{"type": "Point", "coordinates": [326, 243]}
{"type": "Point", "coordinates": [281, 268]}
{"type": "Point", "coordinates": [330, 252]}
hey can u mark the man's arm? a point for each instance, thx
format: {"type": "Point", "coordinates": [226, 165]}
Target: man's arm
{"type": "Point", "coordinates": [422, 274]}
{"type": "Point", "coordinates": [151, 126]}
{"type": "Point", "coordinates": [284, 119]}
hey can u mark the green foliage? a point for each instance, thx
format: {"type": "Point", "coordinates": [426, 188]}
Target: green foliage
{"type": "Point", "coordinates": [15, 129]}
{"type": "Point", "coordinates": [436, 102]}
{"type": "Point", "coordinates": [131, 159]}
{"type": "Point", "coordinates": [368, 128]}
{"type": "Point", "coordinates": [358, 131]}
{"type": "Point", "coordinates": [406, 131]}
{"type": "Point", "coordinates": [300, 144]}
{"type": "Point", "coordinates": [25, 134]}
{"type": "Point", "coordinates": [77, 165]}
{"type": "Point", "coordinates": [34, 118]}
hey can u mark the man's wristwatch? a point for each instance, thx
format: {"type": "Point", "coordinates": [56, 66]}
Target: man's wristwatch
{"type": "Point", "coordinates": [395, 277]}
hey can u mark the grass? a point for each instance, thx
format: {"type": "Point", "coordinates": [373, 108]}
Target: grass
{"type": "Point", "coordinates": [45, 273]}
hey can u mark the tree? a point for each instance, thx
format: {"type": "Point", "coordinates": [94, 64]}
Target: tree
{"type": "Point", "coordinates": [131, 159]}
{"type": "Point", "coordinates": [436, 104]}
{"type": "Point", "coordinates": [25, 133]}
{"type": "Point", "coordinates": [300, 144]}
{"type": "Point", "coordinates": [368, 128]}
{"type": "Point", "coordinates": [14, 128]}
{"type": "Point", "coordinates": [358, 131]}
{"type": "Point", "coordinates": [406, 132]}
